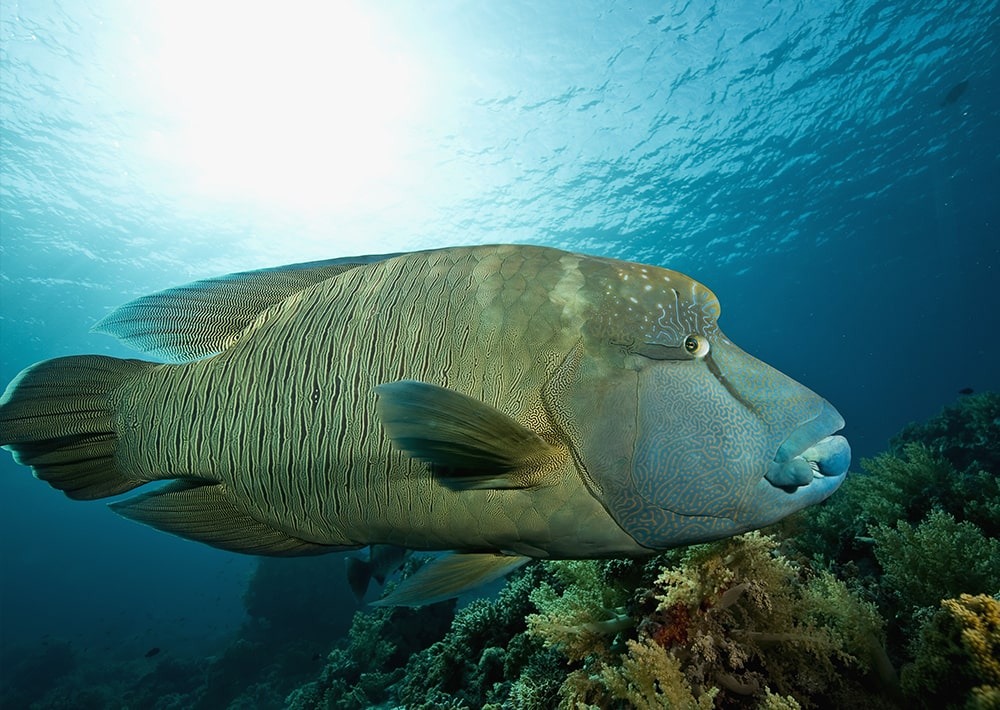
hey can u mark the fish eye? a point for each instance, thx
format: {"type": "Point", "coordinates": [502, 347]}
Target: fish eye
{"type": "Point", "coordinates": [696, 345]}
{"type": "Point", "coordinates": [693, 347]}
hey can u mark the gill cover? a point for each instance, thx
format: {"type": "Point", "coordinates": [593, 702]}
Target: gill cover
{"type": "Point", "coordinates": [624, 427]}
{"type": "Point", "coordinates": [674, 428]}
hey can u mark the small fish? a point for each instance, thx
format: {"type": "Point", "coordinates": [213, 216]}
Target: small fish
{"type": "Point", "coordinates": [966, 390]}
{"type": "Point", "coordinates": [955, 93]}
{"type": "Point", "coordinates": [382, 561]}
{"type": "Point", "coordinates": [152, 652]}
{"type": "Point", "coordinates": [503, 402]}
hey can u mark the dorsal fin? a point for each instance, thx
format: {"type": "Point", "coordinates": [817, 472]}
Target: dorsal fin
{"type": "Point", "coordinates": [198, 320]}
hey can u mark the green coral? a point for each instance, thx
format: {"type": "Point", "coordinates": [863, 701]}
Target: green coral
{"type": "Point", "coordinates": [937, 558]}
{"type": "Point", "coordinates": [487, 659]}
{"type": "Point", "coordinates": [581, 616]}
{"type": "Point", "coordinates": [922, 522]}
{"type": "Point", "coordinates": [360, 673]}
{"type": "Point", "coordinates": [950, 463]}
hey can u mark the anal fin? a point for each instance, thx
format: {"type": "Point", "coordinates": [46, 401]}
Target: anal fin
{"type": "Point", "coordinates": [451, 575]}
{"type": "Point", "coordinates": [200, 512]}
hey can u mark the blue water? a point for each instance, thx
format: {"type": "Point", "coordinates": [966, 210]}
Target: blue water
{"type": "Point", "coordinates": [810, 162]}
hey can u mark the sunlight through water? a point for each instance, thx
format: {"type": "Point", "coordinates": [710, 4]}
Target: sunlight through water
{"type": "Point", "coordinates": [301, 108]}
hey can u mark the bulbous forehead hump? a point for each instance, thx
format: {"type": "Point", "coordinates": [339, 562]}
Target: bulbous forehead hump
{"type": "Point", "coordinates": [648, 302]}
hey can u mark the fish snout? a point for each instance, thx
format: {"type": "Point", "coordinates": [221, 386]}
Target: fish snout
{"type": "Point", "coordinates": [812, 452]}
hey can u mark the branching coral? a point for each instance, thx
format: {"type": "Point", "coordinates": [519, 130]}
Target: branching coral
{"type": "Point", "coordinates": [731, 622]}
{"type": "Point", "coordinates": [979, 618]}
{"type": "Point", "coordinates": [583, 617]}
{"type": "Point", "coordinates": [957, 656]}
{"type": "Point", "coordinates": [753, 620]}
{"type": "Point", "coordinates": [937, 558]}
{"type": "Point", "coordinates": [650, 677]}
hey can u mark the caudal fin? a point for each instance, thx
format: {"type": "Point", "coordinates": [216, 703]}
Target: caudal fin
{"type": "Point", "coordinates": [58, 417]}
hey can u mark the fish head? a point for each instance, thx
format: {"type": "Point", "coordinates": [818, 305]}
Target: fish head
{"type": "Point", "coordinates": [681, 435]}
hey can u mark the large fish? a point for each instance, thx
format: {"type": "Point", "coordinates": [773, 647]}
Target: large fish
{"type": "Point", "coordinates": [503, 402]}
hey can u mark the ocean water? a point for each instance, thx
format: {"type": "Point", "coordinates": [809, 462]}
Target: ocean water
{"type": "Point", "coordinates": [831, 170]}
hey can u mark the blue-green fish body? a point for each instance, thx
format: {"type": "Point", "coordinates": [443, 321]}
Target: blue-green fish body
{"type": "Point", "coordinates": [505, 402]}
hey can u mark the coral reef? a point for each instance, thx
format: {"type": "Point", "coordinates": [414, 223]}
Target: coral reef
{"type": "Point", "coordinates": [957, 656]}
{"type": "Point", "coordinates": [922, 523]}
{"type": "Point", "coordinates": [360, 672]}
{"type": "Point", "coordinates": [730, 624]}
{"type": "Point", "coordinates": [938, 557]}
{"type": "Point", "coordinates": [950, 463]}
{"type": "Point", "coordinates": [901, 568]}
{"type": "Point", "coordinates": [718, 625]}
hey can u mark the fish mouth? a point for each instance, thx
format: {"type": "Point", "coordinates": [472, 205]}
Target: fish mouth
{"type": "Point", "coordinates": [812, 452]}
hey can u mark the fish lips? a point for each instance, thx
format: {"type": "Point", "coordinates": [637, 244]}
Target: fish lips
{"type": "Point", "coordinates": [812, 455]}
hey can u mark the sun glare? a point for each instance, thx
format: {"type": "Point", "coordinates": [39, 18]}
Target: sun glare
{"type": "Point", "coordinates": [302, 105]}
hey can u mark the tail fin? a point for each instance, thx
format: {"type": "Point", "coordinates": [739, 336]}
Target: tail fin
{"type": "Point", "coordinates": [58, 417]}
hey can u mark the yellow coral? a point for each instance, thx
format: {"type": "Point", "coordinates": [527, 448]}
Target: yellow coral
{"type": "Point", "coordinates": [985, 697]}
{"type": "Point", "coordinates": [979, 617]}
{"type": "Point", "coordinates": [583, 619]}
{"type": "Point", "coordinates": [731, 621]}
{"type": "Point", "coordinates": [773, 701]}
{"type": "Point", "coordinates": [650, 677]}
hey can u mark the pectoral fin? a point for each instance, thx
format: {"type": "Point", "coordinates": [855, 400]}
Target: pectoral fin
{"type": "Point", "coordinates": [469, 444]}
{"type": "Point", "coordinates": [449, 576]}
